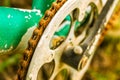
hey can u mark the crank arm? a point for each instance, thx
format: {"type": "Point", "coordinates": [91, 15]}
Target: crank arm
{"type": "Point", "coordinates": [88, 46]}
{"type": "Point", "coordinates": [48, 51]}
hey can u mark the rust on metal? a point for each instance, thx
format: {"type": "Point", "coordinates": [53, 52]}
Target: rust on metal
{"type": "Point", "coordinates": [37, 33]}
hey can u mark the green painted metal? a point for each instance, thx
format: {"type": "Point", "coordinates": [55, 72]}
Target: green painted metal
{"type": "Point", "coordinates": [64, 29]}
{"type": "Point", "coordinates": [42, 5]}
{"type": "Point", "coordinates": [14, 24]}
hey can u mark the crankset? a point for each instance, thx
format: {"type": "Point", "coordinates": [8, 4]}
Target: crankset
{"type": "Point", "coordinates": [64, 43]}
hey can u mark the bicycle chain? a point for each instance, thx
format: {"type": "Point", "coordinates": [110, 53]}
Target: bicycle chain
{"type": "Point", "coordinates": [110, 24]}
{"type": "Point", "coordinates": [114, 17]}
{"type": "Point", "coordinates": [37, 33]}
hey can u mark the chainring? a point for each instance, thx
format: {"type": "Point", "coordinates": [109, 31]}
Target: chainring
{"type": "Point", "coordinates": [43, 62]}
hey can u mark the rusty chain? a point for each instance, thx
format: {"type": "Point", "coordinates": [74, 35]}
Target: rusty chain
{"type": "Point", "coordinates": [110, 24]}
{"type": "Point", "coordinates": [37, 33]}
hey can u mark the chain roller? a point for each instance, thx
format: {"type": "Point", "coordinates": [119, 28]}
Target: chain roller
{"type": "Point", "coordinates": [37, 33]}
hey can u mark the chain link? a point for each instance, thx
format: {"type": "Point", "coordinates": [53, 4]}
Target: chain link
{"type": "Point", "coordinates": [110, 24]}
{"type": "Point", "coordinates": [37, 33]}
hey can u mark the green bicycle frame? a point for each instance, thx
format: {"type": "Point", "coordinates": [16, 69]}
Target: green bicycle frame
{"type": "Point", "coordinates": [14, 22]}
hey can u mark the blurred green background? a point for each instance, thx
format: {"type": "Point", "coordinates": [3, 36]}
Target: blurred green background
{"type": "Point", "coordinates": [105, 64]}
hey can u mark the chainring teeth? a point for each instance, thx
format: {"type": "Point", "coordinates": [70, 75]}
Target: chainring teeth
{"type": "Point", "coordinates": [42, 24]}
{"type": "Point", "coordinates": [37, 34]}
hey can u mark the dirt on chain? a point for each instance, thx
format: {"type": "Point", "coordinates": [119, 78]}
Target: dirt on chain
{"type": "Point", "coordinates": [105, 64]}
